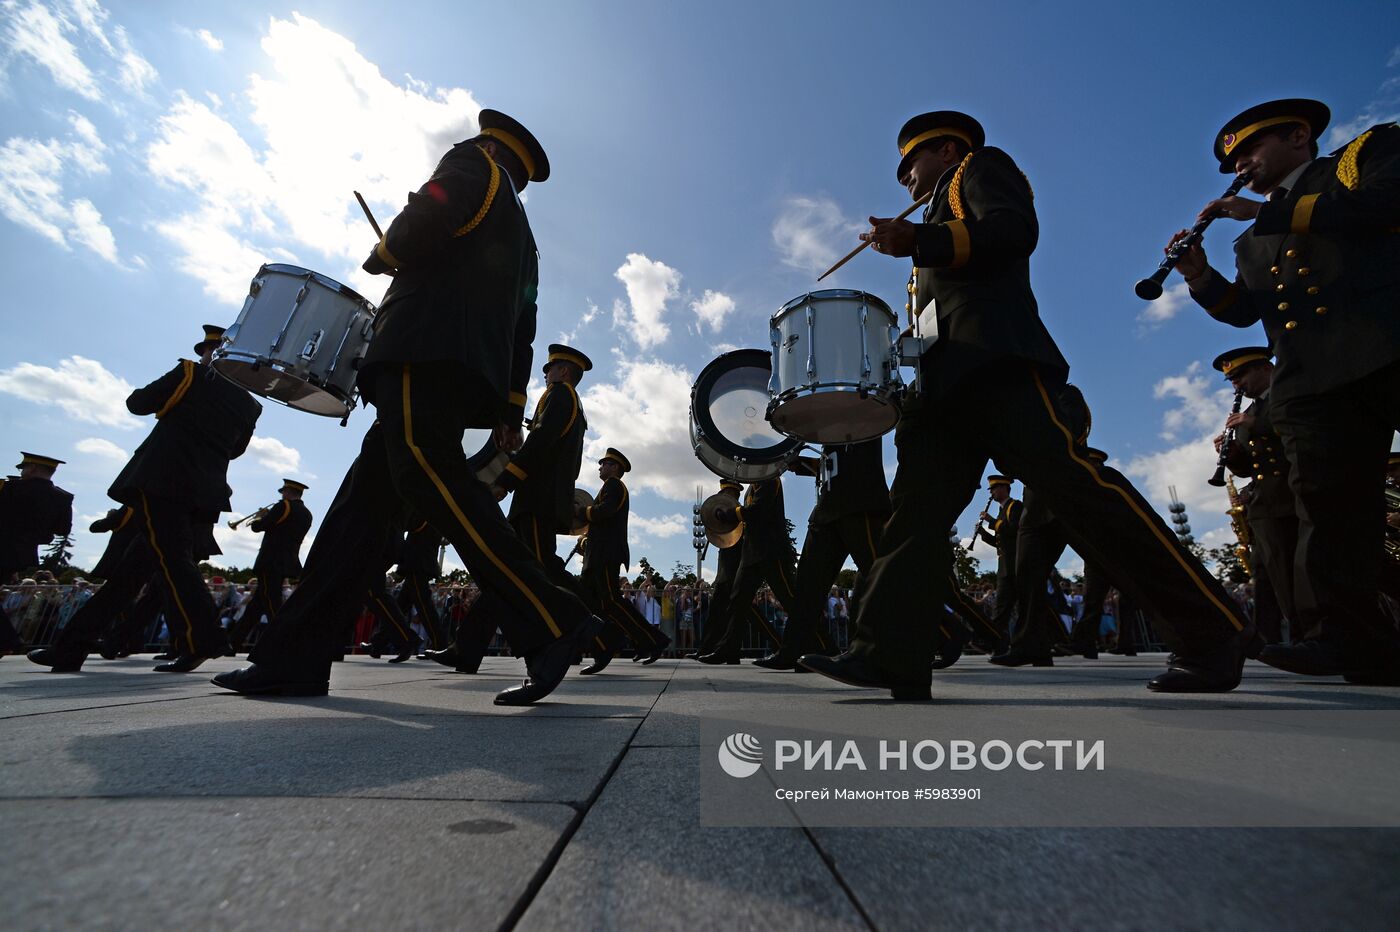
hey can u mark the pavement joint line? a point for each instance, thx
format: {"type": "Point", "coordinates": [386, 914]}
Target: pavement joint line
{"type": "Point", "coordinates": [140, 797]}
{"type": "Point", "coordinates": [551, 860]}
{"type": "Point", "coordinates": [92, 708]}
{"type": "Point", "coordinates": [830, 863]}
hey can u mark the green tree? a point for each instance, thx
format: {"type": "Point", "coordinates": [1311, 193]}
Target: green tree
{"type": "Point", "coordinates": [1228, 568]}
{"type": "Point", "coordinates": [965, 566]}
{"type": "Point", "coordinates": [58, 556]}
{"type": "Point", "coordinates": [846, 579]}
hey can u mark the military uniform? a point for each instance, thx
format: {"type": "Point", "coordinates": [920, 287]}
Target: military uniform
{"type": "Point", "coordinates": [174, 482]}
{"type": "Point", "coordinates": [451, 350]}
{"type": "Point", "coordinates": [283, 526]}
{"type": "Point", "coordinates": [972, 254]}
{"type": "Point", "coordinates": [851, 509]}
{"type": "Point", "coordinates": [1318, 269]}
{"type": "Point", "coordinates": [766, 556]}
{"type": "Point", "coordinates": [1257, 456]}
{"type": "Point", "coordinates": [716, 620]}
{"type": "Point", "coordinates": [418, 565]}
{"type": "Point", "coordinates": [33, 512]}
{"type": "Point", "coordinates": [541, 476]}
{"type": "Point", "coordinates": [1002, 535]}
{"type": "Point", "coordinates": [604, 555]}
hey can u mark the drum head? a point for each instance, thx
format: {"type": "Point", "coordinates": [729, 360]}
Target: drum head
{"type": "Point", "coordinates": [270, 381]}
{"type": "Point", "coordinates": [728, 428]}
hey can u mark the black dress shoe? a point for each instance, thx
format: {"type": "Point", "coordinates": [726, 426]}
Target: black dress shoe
{"type": "Point", "coordinates": [657, 651]}
{"type": "Point", "coordinates": [1308, 658]}
{"type": "Point", "coordinates": [108, 650]}
{"type": "Point", "coordinates": [1087, 651]}
{"type": "Point", "coordinates": [255, 680]}
{"type": "Point", "coordinates": [1012, 658]}
{"type": "Point", "coordinates": [720, 656]}
{"type": "Point", "coordinates": [776, 661]}
{"type": "Point", "coordinates": [1120, 652]}
{"type": "Point", "coordinates": [1218, 671]}
{"type": "Point", "coordinates": [856, 671]}
{"type": "Point", "coordinates": [409, 652]}
{"type": "Point", "coordinates": [600, 663]}
{"type": "Point", "coordinates": [372, 649]}
{"type": "Point", "coordinates": [171, 655]}
{"type": "Point", "coordinates": [547, 665]}
{"type": "Point", "coordinates": [186, 663]}
{"type": "Point", "coordinates": [447, 656]}
{"type": "Point", "coordinates": [57, 661]}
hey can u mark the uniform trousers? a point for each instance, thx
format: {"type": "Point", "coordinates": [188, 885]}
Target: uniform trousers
{"type": "Point", "coordinates": [600, 587]}
{"type": "Point", "coordinates": [1040, 542]}
{"type": "Point", "coordinates": [413, 455]}
{"type": "Point", "coordinates": [778, 573]}
{"type": "Point", "coordinates": [1086, 630]}
{"type": "Point", "coordinates": [1336, 444]}
{"type": "Point", "coordinates": [266, 600]}
{"type": "Point", "coordinates": [417, 595]}
{"type": "Point", "coordinates": [163, 555]}
{"type": "Point", "coordinates": [943, 446]}
{"type": "Point", "coordinates": [391, 628]}
{"type": "Point", "coordinates": [983, 630]}
{"type": "Point", "coordinates": [824, 550]}
{"type": "Point", "coordinates": [1273, 547]}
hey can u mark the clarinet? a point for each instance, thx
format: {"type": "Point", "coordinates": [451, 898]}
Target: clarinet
{"type": "Point", "coordinates": [1226, 445]}
{"type": "Point", "coordinates": [1150, 288]}
{"type": "Point", "coordinates": [978, 527]}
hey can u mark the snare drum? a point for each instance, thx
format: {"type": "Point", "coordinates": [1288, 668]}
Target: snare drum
{"type": "Point", "coordinates": [298, 340]}
{"type": "Point", "coordinates": [727, 427]}
{"type": "Point", "coordinates": [835, 371]}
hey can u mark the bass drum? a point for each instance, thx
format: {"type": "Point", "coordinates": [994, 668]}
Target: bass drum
{"type": "Point", "coordinates": [482, 456]}
{"type": "Point", "coordinates": [728, 430]}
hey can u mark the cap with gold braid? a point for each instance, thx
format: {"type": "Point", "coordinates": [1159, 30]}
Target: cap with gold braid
{"type": "Point", "coordinates": [213, 333]}
{"type": "Point", "coordinates": [994, 480]}
{"type": "Point", "coordinates": [1231, 360]}
{"type": "Point", "coordinates": [515, 137]}
{"type": "Point", "coordinates": [34, 459]}
{"type": "Point", "coordinates": [1311, 113]}
{"type": "Point", "coordinates": [937, 124]}
{"type": "Point", "coordinates": [293, 485]}
{"type": "Point", "coordinates": [558, 352]}
{"type": "Point", "coordinates": [617, 458]}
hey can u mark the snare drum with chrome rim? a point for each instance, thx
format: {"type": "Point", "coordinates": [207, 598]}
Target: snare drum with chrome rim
{"type": "Point", "coordinates": [835, 370]}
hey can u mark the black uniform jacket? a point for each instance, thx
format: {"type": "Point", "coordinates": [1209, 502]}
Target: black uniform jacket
{"type": "Point", "coordinates": [418, 554]}
{"type": "Point", "coordinates": [1003, 530]}
{"type": "Point", "coordinates": [607, 527]}
{"type": "Point", "coordinates": [765, 523]}
{"type": "Point", "coordinates": [859, 484]}
{"type": "Point", "coordinates": [972, 256]}
{"type": "Point", "coordinates": [463, 293]}
{"type": "Point", "coordinates": [1321, 268]}
{"type": "Point", "coordinates": [542, 474]}
{"type": "Point", "coordinates": [1257, 454]}
{"type": "Point", "coordinates": [202, 422]}
{"type": "Point", "coordinates": [124, 527]}
{"type": "Point", "coordinates": [32, 513]}
{"type": "Point", "coordinates": [283, 529]}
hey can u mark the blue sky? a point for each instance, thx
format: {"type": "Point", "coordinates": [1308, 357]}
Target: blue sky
{"type": "Point", "coordinates": [708, 161]}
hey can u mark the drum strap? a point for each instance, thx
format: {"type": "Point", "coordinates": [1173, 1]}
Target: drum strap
{"type": "Point", "coordinates": [491, 188]}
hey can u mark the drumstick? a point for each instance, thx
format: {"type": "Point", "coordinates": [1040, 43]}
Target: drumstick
{"type": "Point", "coordinates": [852, 254]}
{"type": "Point", "coordinates": [369, 216]}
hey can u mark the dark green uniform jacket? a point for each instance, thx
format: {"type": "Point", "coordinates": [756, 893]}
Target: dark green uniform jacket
{"type": "Point", "coordinates": [202, 422]}
{"type": "Point", "coordinates": [1321, 268]}
{"type": "Point", "coordinates": [972, 256]}
{"type": "Point", "coordinates": [859, 485]}
{"type": "Point", "coordinates": [607, 527]}
{"type": "Point", "coordinates": [1003, 533]}
{"type": "Point", "coordinates": [32, 513]}
{"type": "Point", "coordinates": [463, 294]}
{"type": "Point", "coordinates": [1257, 454]}
{"type": "Point", "coordinates": [542, 474]}
{"type": "Point", "coordinates": [765, 523]}
{"type": "Point", "coordinates": [283, 528]}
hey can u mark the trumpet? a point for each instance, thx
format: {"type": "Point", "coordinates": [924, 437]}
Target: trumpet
{"type": "Point", "coordinates": [1150, 288]}
{"type": "Point", "coordinates": [234, 525]}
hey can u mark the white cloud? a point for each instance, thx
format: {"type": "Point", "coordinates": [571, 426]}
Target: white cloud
{"type": "Point", "coordinates": [39, 34]}
{"type": "Point", "coordinates": [1156, 313]}
{"type": "Point", "coordinates": [1384, 108]}
{"type": "Point", "coordinates": [135, 71]}
{"type": "Point", "coordinates": [712, 308]}
{"type": "Point", "coordinates": [275, 455]}
{"type": "Point", "coordinates": [289, 192]}
{"type": "Point", "coordinates": [811, 233]}
{"type": "Point", "coordinates": [646, 415]}
{"type": "Point", "coordinates": [32, 176]}
{"type": "Point", "coordinates": [240, 547]}
{"type": "Point", "coordinates": [650, 284]}
{"type": "Point", "coordinates": [96, 446]}
{"type": "Point", "coordinates": [1202, 402]}
{"type": "Point", "coordinates": [588, 317]}
{"type": "Point", "coordinates": [85, 390]}
{"type": "Point", "coordinates": [211, 41]}
{"type": "Point", "coordinates": [639, 527]}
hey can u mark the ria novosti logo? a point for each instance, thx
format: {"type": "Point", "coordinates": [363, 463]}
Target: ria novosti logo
{"type": "Point", "coordinates": [741, 755]}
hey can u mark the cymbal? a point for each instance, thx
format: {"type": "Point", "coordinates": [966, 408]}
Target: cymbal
{"type": "Point", "coordinates": [581, 500]}
{"type": "Point", "coordinates": [723, 533]}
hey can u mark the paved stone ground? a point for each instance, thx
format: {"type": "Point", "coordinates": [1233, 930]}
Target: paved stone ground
{"type": "Point", "coordinates": [135, 800]}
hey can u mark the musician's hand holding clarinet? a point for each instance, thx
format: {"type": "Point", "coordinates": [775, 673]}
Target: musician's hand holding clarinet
{"type": "Point", "coordinates": [1191, 262]}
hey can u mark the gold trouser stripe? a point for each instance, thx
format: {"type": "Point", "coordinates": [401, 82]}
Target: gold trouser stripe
{"type": "Point", "coordinates": [1156, 531]}
{"type": "Point", "coordinates": [970, 612]}
{"type": "Point", "coordinates": [178, 395]}
{"type": "Point", "coordinates": [623, 617]}
{"type": "Point", "coordinates": [389, 617]}
{"type": "Point", "coordinates": [1302, 213]}
{"type": "Point", "coordinates": [947, 635]}
{"type": "Point", "coordinates": [165, 569]}
{"type": "Point", "coordinates": [535, 527]}
{"type": "Point", "coordinates": [869, 539]}
{"type": "Point", "coordinates": [962, 243]}
{"type": "Point", "coordinates": [462, 518]}
{"type": "Point", "coordinates": [265, 583]}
